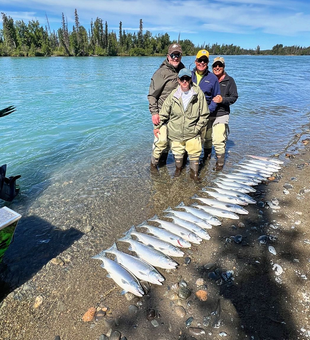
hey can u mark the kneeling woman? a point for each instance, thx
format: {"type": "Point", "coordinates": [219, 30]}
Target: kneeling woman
{"type": "Point", "coordinates": [185, 112]}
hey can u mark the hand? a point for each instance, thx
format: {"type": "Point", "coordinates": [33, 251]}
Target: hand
{"type": "Point", "coordinates": [155, 119]}
{"type": "Point", "coordinates": [156, 133]}
{"type": "Point", "coordinates": [218, 99]}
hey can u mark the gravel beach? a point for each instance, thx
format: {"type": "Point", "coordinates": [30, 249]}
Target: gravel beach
{"type": "Point", "coordinates": [249, 281]}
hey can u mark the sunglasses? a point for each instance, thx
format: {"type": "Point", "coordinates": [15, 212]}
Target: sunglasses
{"type": "Point", "coordinates": [187, 79]}
{"type": "Point", "coordinates": [202, 61]}
{"type": "Point", "coordinates": [218, 65]}
{"type": "Point", "coordinates": [175, 55]}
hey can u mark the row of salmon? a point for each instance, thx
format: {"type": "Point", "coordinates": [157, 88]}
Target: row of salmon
{"type": "Point", "coordinates": [189, 225]}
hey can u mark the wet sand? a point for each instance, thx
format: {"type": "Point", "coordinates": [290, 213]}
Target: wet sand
{"type": "Point", "coordinates": [245, 298]}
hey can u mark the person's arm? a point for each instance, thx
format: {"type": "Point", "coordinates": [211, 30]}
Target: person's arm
{"type": "Point", "coordinates": [155, 90]}
{"type": "Point", "coordinates": [204, 112]}
{"type": "Point", "coordinates": [216, 94]}
{"type": "Point", "coordinates": [232, 93]}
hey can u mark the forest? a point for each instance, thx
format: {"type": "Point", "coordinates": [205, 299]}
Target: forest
{"type": "Point", "coordinates": [18, 39]}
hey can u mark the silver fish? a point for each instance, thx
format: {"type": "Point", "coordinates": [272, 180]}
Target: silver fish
{"type": "Point", "coordinates": [238, 186]}
{"type": "Point", "coordinates": [184, 215]}
{"type": "Point", "coordinates": [176, 229]}
{"type": "Point", "coordinates": [241, 195]}
{"type": "Point", "coordinates": [267, 159]}
{"type": "Point", "coordinates": [263, 165]}
{"type": "Point", "coordinates": [222, 205]}
{"type": "Point", "coordinates": [152, 256]}
{"type": "Point", "coordinates": [264, 172]}
{"type": "Point", "coordinates": [141, 269]}
{"type": "Point", "coordinates": [217, 211]}
{"type": "Point", "coordinates": [226, 198]}
{"type": "Point", "coordinates": [156, 243]}
{"type": "Point", "coordinates": [254, 180]}
{"type": "Point", "coordinates": [200, 214]}
{"type": "Point", "coordinates": [243, 181]}
{"type": "Point", "coordinates": [120, 275]}
{"type": "Point", "coordinates": [191, 226]}
{"type": "Point", "coordinates": [166, 235]}
{"type": "Point", "coordinates": [253, 174]}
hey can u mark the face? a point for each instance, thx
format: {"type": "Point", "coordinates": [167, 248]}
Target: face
{"type": "Point", "coordinates": [218, 69]}
{"type": "Point", "coordinates": [174, 59]}
{"type": "Point", "coordinates": [201, 64]}
{"type": "Point", "coordinates": [185, 83]}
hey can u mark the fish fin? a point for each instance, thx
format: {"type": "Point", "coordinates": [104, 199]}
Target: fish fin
{"type": "Point", "coordinates": [128, 232]}
{"type": "Point", "coordinates": [195, 204]}
{"type": "Point", "coordinates": [123, 292]}
{"type": "Point", "coordinates": [180, 205]}
{"type": "Point", "coordinates": [194, 196]}
{"type": "Point", "coordinates": [109, 276]}
{"type": "Point", "coordinates": [168, 209]}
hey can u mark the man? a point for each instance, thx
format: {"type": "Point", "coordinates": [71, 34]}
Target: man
{"type": "Point", "coordinates": [185, 112]}
{"type": "Point", "coordinates": [164, 80]}
{"type": "Point", "coordinates": [219, 119]}
{"type": "Point", "coordinates": [209, 84]}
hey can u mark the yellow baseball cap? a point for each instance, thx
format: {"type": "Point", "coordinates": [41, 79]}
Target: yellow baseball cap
{"type": "Point", "coordinates": [202, 53]}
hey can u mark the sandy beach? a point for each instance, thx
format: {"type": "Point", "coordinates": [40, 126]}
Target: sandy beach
{"type": "Point", "coordinates": [249, 281]}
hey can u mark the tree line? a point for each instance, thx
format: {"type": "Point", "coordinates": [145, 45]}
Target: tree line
{"type": "Point", "coordinates": [18, 39]}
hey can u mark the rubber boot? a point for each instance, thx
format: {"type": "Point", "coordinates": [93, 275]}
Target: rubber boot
{"type": "Point", "coordinates": [184, 159]}
{"type": "Point", "coordinates": [178, 167]}
{"type": "Point", "coordinates": [219, 162]}
{"type": "Point", "coordinates": [154, 165]}
{"type": "Point", "coordinates": [206, 154]}
{"type": "Point", "coordinates": [194, 167]}
{"type": "Point", "coordinates": [163, 159]}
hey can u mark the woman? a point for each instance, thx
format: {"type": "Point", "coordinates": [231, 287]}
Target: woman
{"type": "Point", "coordinates": [185, 112]}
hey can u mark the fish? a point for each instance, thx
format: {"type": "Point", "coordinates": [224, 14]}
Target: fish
{"type": "Point", "coordinates": [238, 186]}
{"type": "Point", "coordinates": [264, 165]}
{"type": "Point", "coordinates": [251, 173]}
{"type": "Point", "coordinates": [183, 232]}
{"type": "Point", "coordinates": [239, 176]}
{"type": "Point", "coordinates": [139, 268]}
{"type": "Point", "coordinates": [200, 214]}
{"type": "Point", "coordinates": [166, 235]}
{"type": "Point", "coordinates": [244, 181]}
{"type": "Point", "coordinates": [152, 256]}
{"type": "Point", "coordinates": [184, 215]}
{"type": "Point", "coordinates": [264, 172]}
{"type": "Point", "coordinates": [156, 243]}
{"type": "Point", "coordinates": [267, 159]}
{"type": "Point", "coordinates": [241, 195]}
{"type": "Point", "coordinates": [191, 227]}
{"type": "Point", "coordinates": [217, 211]}
{"type": "Point", "coordinates": [226, 198]}
{"type": "Point", "coordinates": [222, 205]}
{"type": "Point", "coordinates": [121, 276]}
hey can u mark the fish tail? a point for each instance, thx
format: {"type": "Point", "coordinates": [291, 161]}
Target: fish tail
{"type": "Point", "coordinates": [112, 249]}
{"type": "Point", "coordinates": [154, 218]}
{"type": "Point", "coordinates": [180, 205]}
{"type": "Point", "coordinates": [100, 256]}
{"type": "Point", "coordinates": [194, 196]}
{"type": "Point", "coordinates": [143, 224]}
{"type": "Point", "coordinates": [168, 209]}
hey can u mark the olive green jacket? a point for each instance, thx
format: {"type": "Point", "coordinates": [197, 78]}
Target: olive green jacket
{"type": "Point", "coordinates": [184, 125]}
{"type": "Point", "coordinates": [164, 80]}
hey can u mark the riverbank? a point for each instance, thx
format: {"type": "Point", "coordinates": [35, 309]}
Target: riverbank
{"type": "Point", "coordinates": [232, 286]}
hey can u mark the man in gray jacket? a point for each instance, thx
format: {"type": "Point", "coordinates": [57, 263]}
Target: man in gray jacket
{"type": "Point", "coordinates": [164, 80]}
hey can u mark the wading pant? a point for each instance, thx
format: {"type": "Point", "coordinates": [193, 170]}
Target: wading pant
{"type": "Point", "coordinates": [216, 135]}
{"type": "Point", "coordinates": [192, 146]}
{"type": "Point", "coordinates": [160, 143]}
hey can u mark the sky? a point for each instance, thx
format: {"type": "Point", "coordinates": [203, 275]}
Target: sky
{"type": "Point", "coordinates": [244, 23]}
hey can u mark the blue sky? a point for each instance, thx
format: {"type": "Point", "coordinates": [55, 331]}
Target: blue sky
{"type": "Point", "coordinates": [245, 23]}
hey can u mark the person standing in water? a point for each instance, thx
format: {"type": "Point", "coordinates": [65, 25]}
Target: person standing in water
{"type": "Point", "coordinates": [185, 112]}
{"type": "Point", "coordinates": [218, 128]}
{"type": "Point", "coordinates": [164, 80]}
